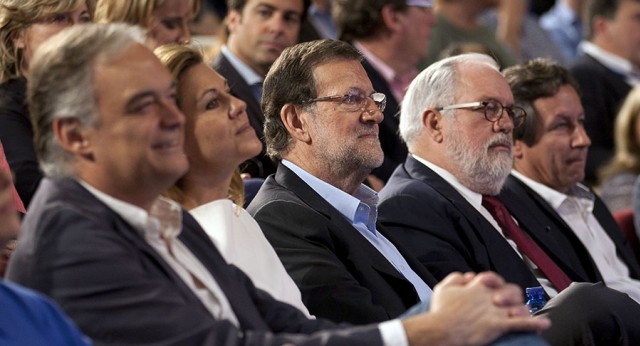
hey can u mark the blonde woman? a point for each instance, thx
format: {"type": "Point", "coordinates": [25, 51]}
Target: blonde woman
{"type": "Point", "coordinates": [218, 138]}
{"type": "Point", "coordinates": [619, 175]}
{"type": "Point", "coordinates": [166, 21]}
{"type": "Point", "coordinates": [24, 25]}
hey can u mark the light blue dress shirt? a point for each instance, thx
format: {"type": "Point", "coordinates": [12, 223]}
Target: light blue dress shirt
{"type": "Point", "coordinates": [362, 212]}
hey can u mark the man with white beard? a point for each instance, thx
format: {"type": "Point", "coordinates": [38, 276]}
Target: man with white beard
{"type": "Point", "coordinates": [457, 119]}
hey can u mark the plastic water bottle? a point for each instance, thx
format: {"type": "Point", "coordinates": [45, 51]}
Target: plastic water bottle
{"type": "Point", "coordinates": [535, 298]}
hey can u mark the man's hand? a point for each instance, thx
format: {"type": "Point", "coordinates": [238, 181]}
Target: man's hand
{"type": "Point", "coordinates": [472, 309]}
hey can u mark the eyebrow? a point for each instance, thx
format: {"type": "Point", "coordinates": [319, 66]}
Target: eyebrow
{"type": "Point", "coordinates": [147, 93]}
{"type": "Point", "coordinates": [213, 91]}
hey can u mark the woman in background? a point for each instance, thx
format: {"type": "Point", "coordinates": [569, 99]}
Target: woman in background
{"type": "Point", "coordinates": [166, 21]}
{"type": "Point", "coordinates": [218, 138]}
{"type": "Point", "coordinates": [618, 176]}
{"type": "Point", "coordinates": [24, 25]}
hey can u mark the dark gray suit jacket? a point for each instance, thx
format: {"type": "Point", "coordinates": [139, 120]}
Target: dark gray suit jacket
{"type": "Point", "coordinates": [260, 166]}
{"type": "Point", "coordinates": [120, 291]}
{"type": "Point", "coordinates": [446, 233]}
{"type": "Point", "coordinates": [340, 274]}
{"type": "Point", "coordinates": [528, 207]}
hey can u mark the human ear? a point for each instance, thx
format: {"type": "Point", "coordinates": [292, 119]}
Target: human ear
{"type": "Point", "coordinates": [72, 136]}
{"type": "Point", "coordinates": [295, 123]}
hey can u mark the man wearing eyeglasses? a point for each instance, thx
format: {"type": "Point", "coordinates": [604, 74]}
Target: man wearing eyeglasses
{"type": "Point", "coordinates": [458, 118]}
{"type": "Point", "coordinates": [321, 122]}
{"type": "Point", "coordinates": [393, 36]}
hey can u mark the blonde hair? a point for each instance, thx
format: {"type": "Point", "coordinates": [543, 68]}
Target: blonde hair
{"type": "Point", "coordinates": [178, 59]}
{"type": "Point", "coordinates": [627, 150]}
{"type": "Point", "coordinates": [136, 12]}
{"type": "Point", "coordinates": [18, 15]}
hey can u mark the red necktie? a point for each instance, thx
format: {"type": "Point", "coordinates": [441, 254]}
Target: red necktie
{"type": "Point", "coordinates": [527, 245]}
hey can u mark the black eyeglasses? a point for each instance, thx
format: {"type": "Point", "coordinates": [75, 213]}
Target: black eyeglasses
{"type": "Point", "coordinates": [356, 101]}
{"type": "Point", "coordinates": [493, 111]}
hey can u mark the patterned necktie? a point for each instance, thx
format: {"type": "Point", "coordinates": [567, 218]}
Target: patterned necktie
{"type": "Point", "coordinates": [527, 245]}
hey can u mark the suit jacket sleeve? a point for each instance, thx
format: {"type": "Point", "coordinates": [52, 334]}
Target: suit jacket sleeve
{"type": "Point", "coordinates": [117, 293]}
{"type": "Point", "coordinates": [431, 234]}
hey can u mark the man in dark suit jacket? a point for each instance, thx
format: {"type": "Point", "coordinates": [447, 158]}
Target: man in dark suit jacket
{"type": "Point", "coordinates": [550, 153]}
{"type": "Point", "coordinates": [315, 211]}
{"type": "Point", "coordinates": [393, 36]}
{"type": "Point", "coordinates": [458, 128]}
{"type": "Point", "coordinates": [130, 267]}
{"type": "Point", "coordinates": [257, 31]}
{"type": "Point", "coordinates": [606, 72]}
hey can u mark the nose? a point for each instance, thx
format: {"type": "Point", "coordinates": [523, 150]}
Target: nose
{"type": "Point", "coordinates": [171, 117]}
{"type": "Point", "coordinates": [580, 137]}
{"type": "Point", "coordinates": [504, 123]}
{"type": "Point", "coordinates": [185, 33]}
{"type": "Point", "coordinates": [237, 107]}
{"type": "Point", "coordinates": [372, 113]}
{"type": "Point", "coordinates": [277, 23]}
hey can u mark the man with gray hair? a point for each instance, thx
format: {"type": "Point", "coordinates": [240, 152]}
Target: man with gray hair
{"type": "Point", "coordinates": [457, 119]}
{"type": "Point", "coordinates": [133, 268]}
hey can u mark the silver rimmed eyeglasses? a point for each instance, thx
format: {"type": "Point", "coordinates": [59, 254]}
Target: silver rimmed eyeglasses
{"type": "Point", "coordinates": [355, 101]}
{"type": "Point", "coordinates": [493, 110]}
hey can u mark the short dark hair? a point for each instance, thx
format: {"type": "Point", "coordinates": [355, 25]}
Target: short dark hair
{"type": "Point", "coordinates": [238, 6]}
{"type": "Point", "coordinates": [530, 81]}
{"type": "Point", "coordinates": [290, 81]}
{"type": "Point", "coordinates": [358, 19]}
{"type": "Point", "coordinates": [604, 8]}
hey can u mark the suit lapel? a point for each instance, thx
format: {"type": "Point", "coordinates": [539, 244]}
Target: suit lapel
{"type": "Point", "coordinates": [556, 238]}
{"type": "Point", "coordinates": [291, 181]}
{"type": "Point", "coordinates": [503, 258]}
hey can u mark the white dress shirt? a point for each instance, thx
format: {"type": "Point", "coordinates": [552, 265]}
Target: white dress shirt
{"type": "Point", "coordinates": [576, 209]}
{"type": "Point", "coordinates": [160, 228]}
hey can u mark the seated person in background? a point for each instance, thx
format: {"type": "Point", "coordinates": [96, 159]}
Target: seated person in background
{"type": "Point", "coordinates": [564, 25]}
{"type": "Point", "coordinates": [550, 152]}
{"type": "Point", "coordinates": [459, 21]}
{"type": "Point", "coordinates": [256, 33]}
{"type": "Point", "coordinates": [392, 36]}
{"type": "Point", "coordinates": [457, 119]}
{"type": "Point", "coordinates": [606, 70]}
{"type": "Point", "coordinates": [27, 318]}
{"type": "Point", "coordinates": [619, 175]}
{"type": "Point", "coordinates": [218, 138]}
{"type": "Point", "coordinates": [24, 25]}
{"type": "Point", "coordinates": [132, 268]}
{"type": "Point", "coordinates": [166, 21]}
